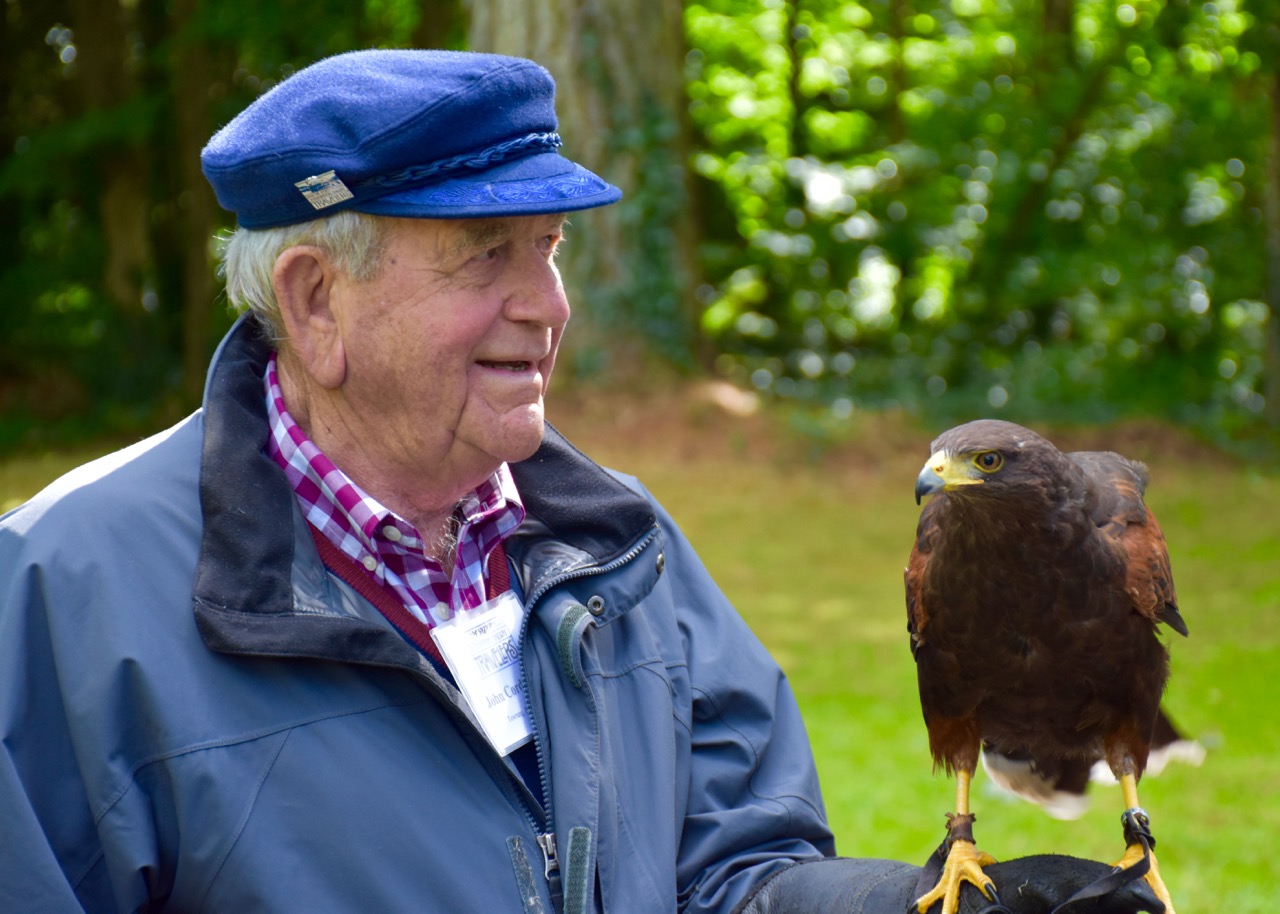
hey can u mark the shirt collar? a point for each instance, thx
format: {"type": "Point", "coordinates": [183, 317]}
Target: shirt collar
{"type": "Point", "coordinates": [366, 530]}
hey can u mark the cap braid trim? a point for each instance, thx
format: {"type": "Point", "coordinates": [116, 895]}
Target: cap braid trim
{"type": "Point", "coordinates": [475, 161]}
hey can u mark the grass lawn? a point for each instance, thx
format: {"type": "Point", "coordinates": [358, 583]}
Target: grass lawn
{"type": "Point", "coordinates": [808, 535]}
{"type": "Point", "coordinates": [809, 541]}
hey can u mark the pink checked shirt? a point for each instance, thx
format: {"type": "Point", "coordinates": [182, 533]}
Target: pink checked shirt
{"type": "Point", "coordinates": [388, 546]}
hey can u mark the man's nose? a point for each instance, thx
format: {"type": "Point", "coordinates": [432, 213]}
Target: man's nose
{"type": "Point", "coordinates": [537, 293]}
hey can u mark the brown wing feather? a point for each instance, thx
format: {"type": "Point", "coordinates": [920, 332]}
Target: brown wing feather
{"type": "Point", "coordinates": [953, 740]}
{"type": "Point", "coordinates": [1116, 488]}
{"type": "Point", "coordinates": [913, 578]}
{"type": "Point", "coordinates": [1149, 579]}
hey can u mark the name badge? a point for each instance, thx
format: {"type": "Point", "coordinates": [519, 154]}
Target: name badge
{"type": "Point", "coordinates": [482, 650]}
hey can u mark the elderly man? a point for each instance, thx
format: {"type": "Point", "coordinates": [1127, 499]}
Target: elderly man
{"type": "Point", "coordinates": [361, 634]}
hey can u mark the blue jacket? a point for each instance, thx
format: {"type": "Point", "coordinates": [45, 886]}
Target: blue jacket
{"type": "Point", "coordinates": [197, 715]}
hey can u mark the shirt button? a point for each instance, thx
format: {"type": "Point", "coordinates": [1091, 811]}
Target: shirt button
{"type": "Point", "coordinates": [392, 533]}
{"type": "Point", "coordinates": [370, 562]}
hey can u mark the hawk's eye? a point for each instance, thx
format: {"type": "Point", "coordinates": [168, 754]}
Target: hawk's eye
{"type": "Point", "coordinates": [988, 461]}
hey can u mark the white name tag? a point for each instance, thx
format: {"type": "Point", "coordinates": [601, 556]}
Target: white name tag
{"type": "Point", "coordinates": [482, 649]}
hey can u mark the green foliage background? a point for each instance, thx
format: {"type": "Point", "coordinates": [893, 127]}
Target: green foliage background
{"type": "Point", "coordinates": [1047, 209]}
{"type": "Point", "coordinates": [962, 207]}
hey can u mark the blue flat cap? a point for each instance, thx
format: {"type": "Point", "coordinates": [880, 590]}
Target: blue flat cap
{"type": "Point", "coordinates": [425, 134]}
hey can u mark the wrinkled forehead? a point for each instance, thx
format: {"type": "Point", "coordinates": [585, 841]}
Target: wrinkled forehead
{"type": "Point", "coordinates": [451, 238]}
{"type": "Point", "coordinates": [483, 233]}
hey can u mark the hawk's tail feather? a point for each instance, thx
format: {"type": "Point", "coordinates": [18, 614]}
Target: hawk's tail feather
{"type": "Point", "coordinates": [1061, 794]}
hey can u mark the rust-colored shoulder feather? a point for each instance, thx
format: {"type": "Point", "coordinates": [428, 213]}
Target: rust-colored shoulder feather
{"type": "Point", "coordinates": [1115, 489]}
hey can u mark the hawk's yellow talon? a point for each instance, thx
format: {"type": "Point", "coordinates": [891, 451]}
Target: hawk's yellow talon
{"type": "Point", "coordinates": [1133, 855]}
{"type": "Point", "coordinates": [964, 864]}
{"type": "Point", "coordinates": [1139, 841]}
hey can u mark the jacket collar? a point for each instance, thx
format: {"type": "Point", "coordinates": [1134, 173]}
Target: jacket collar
{"type": "Point", "coordinates": [583, 517]}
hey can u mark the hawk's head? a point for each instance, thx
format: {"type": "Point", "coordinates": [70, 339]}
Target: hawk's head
{"type": "Point", "coordinates": [986, 457]}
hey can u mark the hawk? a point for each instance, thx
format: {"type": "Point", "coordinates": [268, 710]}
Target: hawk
{"type": "Point", "coordinates": [1035, 589]}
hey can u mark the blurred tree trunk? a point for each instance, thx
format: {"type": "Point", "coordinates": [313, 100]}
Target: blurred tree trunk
{"type": "Point", "coordinates": [441, 23]}
{"type": "Point", "coordinates": [898, 12]}
{"type": "Point", "coordinates": [1271, 207]}
{"type": "Point", "coordinates": [1059, 18]}
{"type": "Point", "coordinates": [1059, 78]}
{"type": "Point", "coordinates": [192, 76]}
{"type": "Point", "coordinates": [793, 42]}
{"type": "Point", "coordinates": [619, 68]}
{"type": "Point", "coordinates": [106, 81]}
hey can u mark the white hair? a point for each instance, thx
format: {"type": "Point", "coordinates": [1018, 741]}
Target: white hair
{"type": "Point", "coordinates": [353, 241]}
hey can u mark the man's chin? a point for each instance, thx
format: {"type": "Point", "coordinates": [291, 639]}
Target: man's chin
{"type": "Point", "coordinates": [530, 446]}
{"type": "Point", "coordinates": [520, 435]}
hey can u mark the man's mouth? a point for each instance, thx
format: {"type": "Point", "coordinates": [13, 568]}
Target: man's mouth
{"type": "Point", "coordinates": [514, 367]}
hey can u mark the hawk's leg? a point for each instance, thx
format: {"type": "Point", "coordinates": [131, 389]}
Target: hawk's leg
{"type": "Point", "coordinates": [964, 861]}
{"type": "Point", "coordinates": [1137, 836]}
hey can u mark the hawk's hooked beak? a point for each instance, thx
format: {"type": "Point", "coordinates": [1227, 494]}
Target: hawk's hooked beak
{"type": "Point", "coordinates": [943, 472]}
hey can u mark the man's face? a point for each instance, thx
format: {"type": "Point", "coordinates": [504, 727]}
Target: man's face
{"type": "Point", "coordinates": [450, 349]}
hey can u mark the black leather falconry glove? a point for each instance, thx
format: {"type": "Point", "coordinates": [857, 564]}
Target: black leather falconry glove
{"type": "Point", "coordinates": [1036, 884]}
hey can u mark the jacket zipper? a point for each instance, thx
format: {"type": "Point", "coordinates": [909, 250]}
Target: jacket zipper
{"type": "Point", "coordinates": [550, 863]}
{"type": "Point", "coordinates": [542, 826]}
{"type": "Point", "coordinates": [547, 840]}
{"type": "Point", "coordinates": [592, 570]}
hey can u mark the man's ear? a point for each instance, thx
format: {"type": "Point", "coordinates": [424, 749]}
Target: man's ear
{"type": "Point", "coordinates": [304, 283]}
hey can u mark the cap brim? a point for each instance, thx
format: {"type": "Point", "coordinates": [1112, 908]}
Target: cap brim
{"type": "Point", "coordinates": [534, 185]}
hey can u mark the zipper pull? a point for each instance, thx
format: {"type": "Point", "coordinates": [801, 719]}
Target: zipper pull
{"type": "Point", "coordinates": [551, 863]}
{"type": "Point", "coordinates": [551, 868]}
